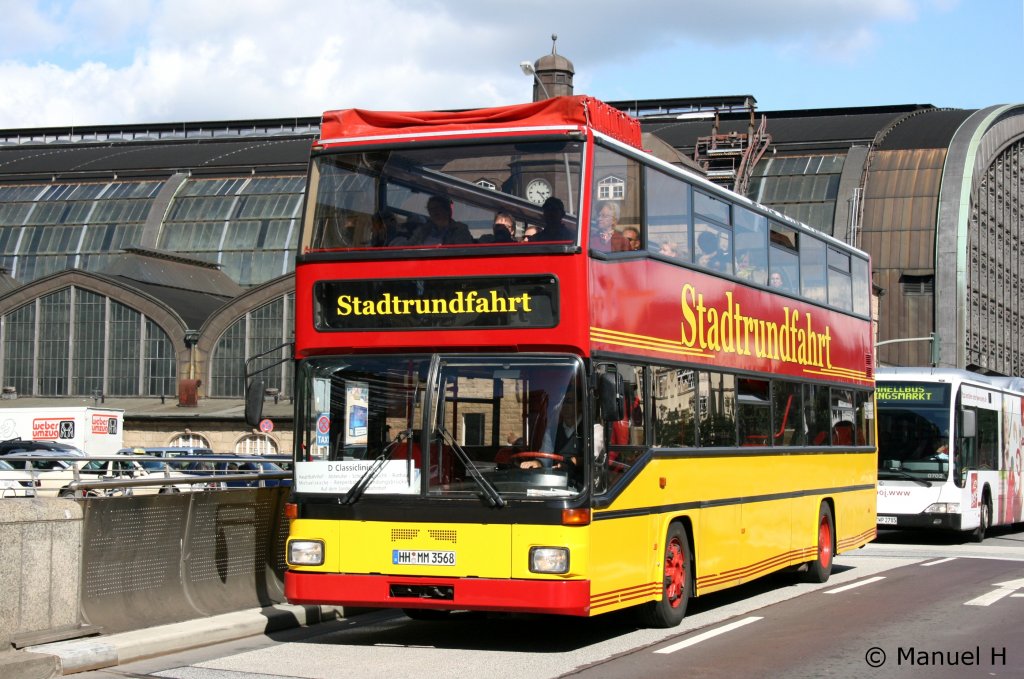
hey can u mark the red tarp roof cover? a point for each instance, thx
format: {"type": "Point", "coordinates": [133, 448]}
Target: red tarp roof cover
{"type": "Point", "coordinates": [344, 125]}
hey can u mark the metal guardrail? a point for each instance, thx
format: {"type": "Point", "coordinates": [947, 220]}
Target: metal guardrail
{"type": "Point", "coordinates": [171, 474]}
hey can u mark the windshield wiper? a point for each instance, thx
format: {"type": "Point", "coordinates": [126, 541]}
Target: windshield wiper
{"type": "Point", "coordinates": [364, 481]}
{"type": "Point", "coordinates": [490, 492]}
{"type": "Point", "coordinates": [899, 473]}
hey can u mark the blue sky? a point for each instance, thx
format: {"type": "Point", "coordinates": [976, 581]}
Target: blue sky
{"type": "Point", "coordinates": [97, 62]}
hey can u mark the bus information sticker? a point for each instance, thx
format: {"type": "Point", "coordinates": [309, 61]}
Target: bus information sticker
{"type": "Point", "coordinates": [338, 476]}
{"type": "Point", "coordinates": [357, 396]}
{"type": "Point", "coordinates": [323, 430]}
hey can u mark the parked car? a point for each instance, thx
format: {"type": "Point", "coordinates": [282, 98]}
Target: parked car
{"type": "Point", "coordinates": [167, 451]}
{"type": "Point", "coordinates": [16, 482]}
{"type": "Point", "coordinates": [55, 474]}
{"type": "Point", "coordinates": [14, 446]}
{"type": "Point", "coordinates": [285, 462]}
{"type": "Point", "coordinates": [230, 463]}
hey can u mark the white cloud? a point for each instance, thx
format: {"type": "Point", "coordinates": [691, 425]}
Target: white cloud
{"type": "Point", "coordinates": [105, 62]}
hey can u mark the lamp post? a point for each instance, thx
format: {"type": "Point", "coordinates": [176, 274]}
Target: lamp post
{"type": "Point", "coordinates": [529, 69]}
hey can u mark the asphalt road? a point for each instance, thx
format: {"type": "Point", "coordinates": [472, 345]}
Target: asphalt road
{"type": "Point", "coordinates": [904, 606]}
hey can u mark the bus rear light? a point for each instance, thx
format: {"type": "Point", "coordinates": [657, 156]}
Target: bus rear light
{"type": "Point", "coordinates": [549, 559]}
{"type": "Point", "coordinates": [305, 552]}
{"type": "Point", "coordinates": [291, 511]}
{"type": "Point", "coordinates": [575, 517]}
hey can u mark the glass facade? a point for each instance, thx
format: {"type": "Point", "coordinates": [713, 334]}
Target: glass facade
{"type": "Point", "coordinates": [248, 225]}
{"type": "Point", "coordinates": [261, 330]}
{"type": "Point", "coordinates": [802, 187]}
{"type": "Point", "coordinates": [59, 345]}
{"type": "Point", "coordinates": [49, 228]}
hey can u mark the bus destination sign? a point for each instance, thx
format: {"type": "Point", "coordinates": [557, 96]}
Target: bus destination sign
{"type": "Point", "coordinates": [436, 303]}
{"type": "Point", "coordinates": [928, 394]}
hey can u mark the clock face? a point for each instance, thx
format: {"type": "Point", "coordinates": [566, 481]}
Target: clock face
{"type": "Point", "coordinates": [537, 191]}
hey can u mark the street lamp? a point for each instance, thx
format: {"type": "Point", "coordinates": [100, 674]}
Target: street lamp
{"type": "Point", "coordinates": [528, 69]}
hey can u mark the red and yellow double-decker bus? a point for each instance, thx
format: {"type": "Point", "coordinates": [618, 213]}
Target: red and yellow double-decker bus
{"type": "Point", "coordinates": [539, 369]}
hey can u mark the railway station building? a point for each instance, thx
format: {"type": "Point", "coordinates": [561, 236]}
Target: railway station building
{"type": "Point", "coordinates": [148, 267]}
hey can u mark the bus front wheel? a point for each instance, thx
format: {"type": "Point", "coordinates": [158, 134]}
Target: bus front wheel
{"type": "Point", "coordinates": [676, 583]}
{"type": "Point", "coordinates": [820, 569]}
{"type": "Point", "coordinates": [985, 520]}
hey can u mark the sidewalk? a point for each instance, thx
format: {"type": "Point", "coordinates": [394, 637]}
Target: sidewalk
{"type": "Point", "coordinates": [68, 657]}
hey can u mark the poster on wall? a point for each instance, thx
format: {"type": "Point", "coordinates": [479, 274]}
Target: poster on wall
{"type": "Point", "coordinates": [356, 410]}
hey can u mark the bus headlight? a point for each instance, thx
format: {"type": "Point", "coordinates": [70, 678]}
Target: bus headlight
{"type": "Point", "coordinates": [943, 508]}
{"type": "Point", "coordinates": [306, 552]}
{"type": "Point", "coordinates": [549, 560]}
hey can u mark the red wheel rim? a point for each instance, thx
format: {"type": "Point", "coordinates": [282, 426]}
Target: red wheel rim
{"type": "Point", "coordinates": [825, 543]}
{"type": "Point", "coordinates": [675, 571]}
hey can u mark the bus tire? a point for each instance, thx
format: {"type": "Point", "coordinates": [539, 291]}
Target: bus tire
{"type": "Point", "coordinates": [677, 580]}
{"type": "Point", "coordinates": [985, 520]}
{"type": "Point", "coordinates": [820, 568]}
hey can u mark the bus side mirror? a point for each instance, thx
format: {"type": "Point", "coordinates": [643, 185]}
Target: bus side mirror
{"type": "Point", "coordinates": [968, 424]}
{"type": "Point", "coordinates": [254, 402]}
{"type": "Point", "coordinates": [611, 395]}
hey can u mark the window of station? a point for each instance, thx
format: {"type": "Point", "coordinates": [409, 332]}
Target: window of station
{"type": "Point", "coordinates": [247, 225]}
{"type": "Point", "coordinates": [260, 330]}
{"type": "Point", "coordinates": [67, 332]}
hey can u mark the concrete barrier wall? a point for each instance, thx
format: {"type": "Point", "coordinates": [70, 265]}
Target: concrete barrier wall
{"type": "Point", "coordinates": [113, 564]}
{"type": "Point", "coordinates": [157, 559]}
{"type": "Point", "coordinates": [40, 568]}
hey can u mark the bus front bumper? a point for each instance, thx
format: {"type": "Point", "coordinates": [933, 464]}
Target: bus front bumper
{"type": "Point", "coordinates": [922, 521]}
{"type": "Point", "coordinates": [559, 597]}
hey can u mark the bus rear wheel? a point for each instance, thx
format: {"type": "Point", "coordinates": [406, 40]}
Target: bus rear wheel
{"type": "Point", "coordinates": [820, 569]}
{"type": "Point", "coordinates": [676, 583]}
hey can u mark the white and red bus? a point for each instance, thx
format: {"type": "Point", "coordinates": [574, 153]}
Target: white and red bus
{"type": "Point", "coordinates": [620, 411]}
{"type": "Point", "coordinates": [949, 450]}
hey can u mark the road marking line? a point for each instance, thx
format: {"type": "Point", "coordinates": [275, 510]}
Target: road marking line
{"type": "Point", "coordinates": [990, 598]}
{"type": "Point", "coordinates": [855, 584]}
{"type": "Point", "coordinates": [936, 563]}
{"type": "Point", "coordinates": [1004, 589]}
{"type": "Point", "coordinates": [708, 635]}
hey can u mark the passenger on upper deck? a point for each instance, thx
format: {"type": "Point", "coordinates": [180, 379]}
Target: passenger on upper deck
{"type": "Point", "coordinates": [630, 239]}
{"type": "Point", "coordinates": [604, 233]}
{"type": "Point", "coordinates": [530, 233]}
{"type": "Point", "coordinates": [554, 228]}
{"type": "Point", "coordinates": [712, 256]}
{"type": "Point", "coordinates": [441, 229]}
{"type": "Point", "coordinates": [383, 229]}
{"type": "Point", "coordinates": [503, 230]}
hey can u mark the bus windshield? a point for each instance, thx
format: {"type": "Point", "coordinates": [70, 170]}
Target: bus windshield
{"type": "Point", "coordinates": [913, 430]}
{"type": "Point", "coordinates": [457, 195]}
{"type": "Point", "coordinates": [496, 428]}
